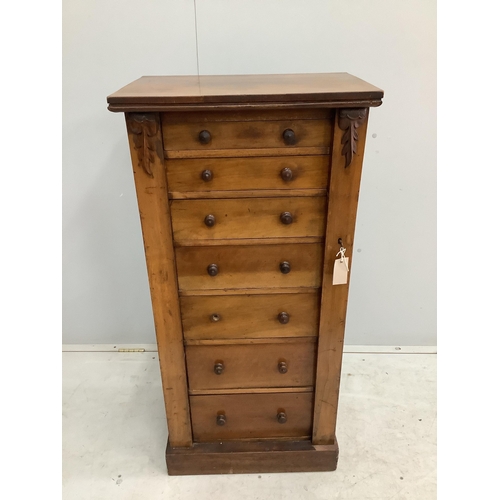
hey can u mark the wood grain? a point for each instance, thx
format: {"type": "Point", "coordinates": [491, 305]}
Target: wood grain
{"type": "Point", "coordinates": [291, 88]}
{"type": "Point", "coordinates": [262, 193]}
{"type": "Point", "coordinates": [341, 219]}
{"type": "Point", "coordinates": [246, 153]}
{"type": "Point", "coordinates": [254, 365]}
{"type": "Point", "coordinates": [248, 241]}
{"type": "Point", "coordinates": [266, 368]}
{"type": "Point", "coordinates": [255, 266]}
{"type": "Point", "coordinates": [251, 457]}
{"type": "Point", "coordinates": [236, 107]}
{"type": "Point", "coordinates": [248, 291]}
{"type": "Point", "coordinates": [247, 174]}
{"type": "Point", "coordinates": [252, 390]}
{"type": "Point", "coordinates": [245, 135]}
{"type": "Point", "coordinates": [251, 416]}
{"type": "Point", "coordinates": [250, 316]}
{"type": "Point", "coordinates": [247, 115]}
{"type": "Point", "coordinates": [248, 218]}
{"type": "Point", "coordinates": [257, 340]}
{"type": "Point", "coordinates": [154, 210]}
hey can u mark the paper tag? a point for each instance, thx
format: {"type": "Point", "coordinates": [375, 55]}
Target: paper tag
{"type": "Point", "coordinates": [340, 271]}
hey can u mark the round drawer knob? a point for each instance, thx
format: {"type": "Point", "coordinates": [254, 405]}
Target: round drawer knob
{"type": "Point", "coordinates": [210, 220]}
{"type": "Point", "coordinates": [282, 367]}
{"type": "Point", "coordinates": [286, 218]}
{"type": "Point", "coordinates": [219, 368]}
{"type": "Point", "coordinates": [287, 174]}
{"type": "Point", "coordinates": [207, 175]}
{"type": "Point", "coordinates": [285, 267]}
{"type": "Point", "coordinates": [283, 317]}
{"type": "Point", "coordinates": [215, 317]}
{"type": "Point", "coordinates": [281, 416]}
{"type": "Point", "coordinates": [221, 419]}
{"type": "Point", "coordinates": [289, 137]}
{"type": "Point", "coordinates": [205, 137]}
{"type": "Point", "coordinates": [213, 270]}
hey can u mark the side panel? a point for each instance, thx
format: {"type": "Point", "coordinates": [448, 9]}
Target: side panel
{"type": "Point", "coordinates": [146, 150]}
{"type": "Point", "coordinates": [347, 158]}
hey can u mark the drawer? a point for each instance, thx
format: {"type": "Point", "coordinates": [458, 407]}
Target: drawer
{"type": "Point", "coordinates": [250, 316]}
{"type": "Point", "coordinates": [238, 366]}
{"type": "Point", "coordinates": [249, 266]}
{"type": "Point", "coordinates": [203, 133]}
{"type": "Point", "coordinates": [248, 218]}
{"type": "Point", "coordinates": [226, 174]}
{"type": "Point", "coordinates": [251, 416]}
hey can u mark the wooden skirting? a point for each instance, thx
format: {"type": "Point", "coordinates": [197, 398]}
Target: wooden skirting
{"type": "Point", "coordinates": [251, 457]}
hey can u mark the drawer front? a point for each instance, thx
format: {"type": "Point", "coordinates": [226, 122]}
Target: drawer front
{"type": "Point", "coordinates": [253, 266]}
{"type": "Point", "coordinates": [251, 416]}
{"type": "Point", "coordinates": [226, 174]}
{"type": "Point", "coordinates": [250, 316]}
{"type": "Point", "coordinates": [290, 364]}
{"type": "Point", "coordinates": [207, 135]}
{"type": "Point", "coordinates": [248, 218]}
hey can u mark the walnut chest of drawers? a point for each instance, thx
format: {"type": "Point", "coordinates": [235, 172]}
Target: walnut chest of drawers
{"type": "Point", "coordinates": [247, 189]}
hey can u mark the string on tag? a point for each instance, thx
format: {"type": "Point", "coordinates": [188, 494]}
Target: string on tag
{"type": "Point", "coordinates": [342, 252]}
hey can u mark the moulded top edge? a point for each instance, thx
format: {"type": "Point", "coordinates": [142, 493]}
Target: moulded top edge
{"type": "Point", "coordinates": [226, 89]}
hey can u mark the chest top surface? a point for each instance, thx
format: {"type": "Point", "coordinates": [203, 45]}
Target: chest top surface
{"type": "Point", "coordinates": [329, 89]}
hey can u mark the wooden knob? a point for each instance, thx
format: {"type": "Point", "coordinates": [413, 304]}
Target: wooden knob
{"type": "Point", "coordinates": [207, 175]}
{"type": "Point", "coordinates": [221, 419]}
{"type": "Point", "coordinates": [282, 367]}
{"type": "Point", "coordinates": [205, 137]}
{"type": "Point", "coordinates": [285, 267]}
{"type": "Point", "coordinates": [283, 317]}
{"type": "Point", "coordinates": [219, 368]}
{"type": "Point", "coordinates": [281, 416]}
{"type": "Point", "coordinates": [287, 174]}
{"type": "Point", "coordinates": [213, 270]}
{"type": "Point", "coordinates": [215, 317]}
{"type": "Point", "coordinates": [286, 218]}
{"type": "Point", "coordinates": [289, 137]}
{"type": "Point", "coordinates": [210, 220]}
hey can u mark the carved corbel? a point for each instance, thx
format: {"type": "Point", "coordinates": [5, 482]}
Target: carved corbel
{"type": "Point", "coordinates": [349, 121]}
{"type": "Point", "coordinates": [144, 127]}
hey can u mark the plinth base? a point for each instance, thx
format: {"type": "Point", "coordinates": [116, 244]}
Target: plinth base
{"type": "Point", "coordinates": [251, 457]}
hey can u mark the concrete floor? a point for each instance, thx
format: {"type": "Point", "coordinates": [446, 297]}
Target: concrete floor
{"type": "Point", "coordinates": [114, 435]}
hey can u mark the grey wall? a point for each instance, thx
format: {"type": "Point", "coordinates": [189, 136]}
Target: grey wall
{"type": "Point", "coordinates": [389, 43]}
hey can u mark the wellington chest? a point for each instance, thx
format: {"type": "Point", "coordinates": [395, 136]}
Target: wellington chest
{"type": "Point", "coordinates": [247, 189]}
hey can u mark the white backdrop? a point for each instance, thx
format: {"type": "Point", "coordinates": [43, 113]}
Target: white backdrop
{"type": "Point", "coordinates": [389, 43]}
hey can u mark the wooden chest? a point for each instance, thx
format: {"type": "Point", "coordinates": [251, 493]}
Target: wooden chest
{"type": "Point", "coordinates": [247, 189]}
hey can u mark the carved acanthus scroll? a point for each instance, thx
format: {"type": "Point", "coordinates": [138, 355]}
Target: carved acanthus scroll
{"type": "Point", "coordinates": [349, 121]}
{"type": "Point", "coordinates": [144, 127]}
